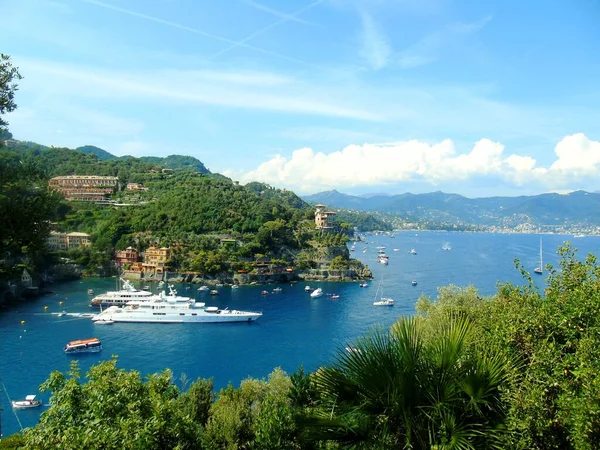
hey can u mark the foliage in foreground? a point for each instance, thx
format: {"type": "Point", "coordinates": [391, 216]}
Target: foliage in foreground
{"type": "Point", "coordinates": [553, 394]}
{"type": "Point", "coordinates": [398, 389]}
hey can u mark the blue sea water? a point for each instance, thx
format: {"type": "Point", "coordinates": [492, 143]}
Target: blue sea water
{"type": "Point", "coordinates": [294, 329]}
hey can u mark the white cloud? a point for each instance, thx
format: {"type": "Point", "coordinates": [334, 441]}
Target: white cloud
{"type": "Point", "coordinates": [374, 46]}
{"type": "Point", "coordinates": [417, 162]}
{"type": "Point", "coordinates": [577, 155]}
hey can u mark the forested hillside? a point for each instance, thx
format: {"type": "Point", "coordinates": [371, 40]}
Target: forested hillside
{"type": "Point", "coordinates": [188, 210]}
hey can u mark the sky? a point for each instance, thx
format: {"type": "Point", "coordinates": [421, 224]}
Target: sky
{"type": "Point", "coordinates": [364, 96]}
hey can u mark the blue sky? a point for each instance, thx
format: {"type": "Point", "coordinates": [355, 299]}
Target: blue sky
{"type": "Point", "coordinates": [477, 98]}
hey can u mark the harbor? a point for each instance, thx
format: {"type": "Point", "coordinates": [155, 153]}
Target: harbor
{"type": "Point", "coordinates": [294, 328]}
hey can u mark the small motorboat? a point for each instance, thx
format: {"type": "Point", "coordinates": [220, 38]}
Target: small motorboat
{"type": "Point", "coordinates": [308, 289]}
{"type": "Point", "coordinates": [29, 402]}
{"type": "Point", "coordinates": [90, 291]}
{"type": "Point", "coordinates": [264, 292]}
{"type": "Point", "coordinates": [234, 286]}
{"type": "Point", "coordinates": [316, 293]}
{"type": "Point", "coordinates": [203, 288]}
{"type": "Point", "coordinates": [277, 290]}
{"type": "Point", "coordinates": [412, 251]}
{"type": "Point", "coordinates": [363, 284]}
{"type": "Point", "coordinates": [334, 296]}
{"type": "Point", "coordinates": [214, 292]}
{"type": "Point", "coordinates": [91, 345]}
{"type": "Point", "coordinates": [414, 282]}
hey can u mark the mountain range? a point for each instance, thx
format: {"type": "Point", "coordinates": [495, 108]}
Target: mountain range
{"type": "Point", "coordinates": [578, 208]}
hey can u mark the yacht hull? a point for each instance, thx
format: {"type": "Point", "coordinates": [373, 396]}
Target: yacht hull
{"type": "Point", "coordinates": [199, 317]}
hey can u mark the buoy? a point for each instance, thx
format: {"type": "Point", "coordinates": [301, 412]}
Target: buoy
{"type": "Point", "coordinates": [60, 303]}
{"type": "Point", "coordinates": [45, 308]}
{"type": "Point", "coordinates": [22, 322]}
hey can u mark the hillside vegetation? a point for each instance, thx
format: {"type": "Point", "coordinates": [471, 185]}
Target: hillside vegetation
{"type": "Point", "coordinates": [187, 210]}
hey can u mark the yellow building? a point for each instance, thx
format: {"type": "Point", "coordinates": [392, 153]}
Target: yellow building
{"type": "Point", "coordinates": [155, 259]}
{"type": "Point", "coordinates": [65, 241]}
{"type": "Point", "coordinates": [323, 218]}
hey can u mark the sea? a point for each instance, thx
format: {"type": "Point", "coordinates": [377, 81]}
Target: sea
{"type": "Point", "coordinates": [294, 330]}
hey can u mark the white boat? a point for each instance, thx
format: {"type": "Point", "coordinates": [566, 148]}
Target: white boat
{"type": "Point", "coordinates": [104, 322]}
{"type": "Point", "coordinates": [277, 290]}
{"type": "Point", "coordinates": [214, 292]}
{"type": "Point", "coordinates": [121, 297]}
{"type": "Point", "coordinates": [380, 300]}
{"type": "Point", "coordinates": [234, 286]}
{"type": "Point", "coordinates": [203, 288]}
{"type": "Point", "coordinates": [92, 345]}
{"type": "Point", "coordinates": [414, 282]}
{"type": "Point", "coordinates": [540, 269]}
{"type": "Point", "coordinates": [307, 289]}
{"type": "Point", "coordinates": [172, 308]}
{"type": "Point", "coordinates": [412, 251]}
{"type": "Point", "coordinates": [383, 259]}
{"type": "Point", "coordinates": [90, 291]}
{"type": "Point", "coordinates": [384, 301]}
{"type": "Point", "coordinates": [446, 247]}
{"type": "Point", "coordinates": [335, 296]}
{"type": "Point", "coordinates": [29, 402]}
{"type": "Point", "coordinates": [363, 284]}
{"type": "Point", "coordinates": [316, 293]}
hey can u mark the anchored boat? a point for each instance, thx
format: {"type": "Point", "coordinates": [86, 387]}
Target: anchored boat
{"type": "Point", "coordinates": [29, 402]}
{"type": "Point", "coordinates": [92, 345]}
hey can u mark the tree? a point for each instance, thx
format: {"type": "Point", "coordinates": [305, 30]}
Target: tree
{"type": "Point", "coordinates": [400, 390]}
{"type": "Point", "coordinates": [9, 74]}
{"type": "Point", "coordinates": [26, 206]}
{"type": "Point", "coordinates": [114, 409]}
{"type": "Point", "coordinates": [257, 415]}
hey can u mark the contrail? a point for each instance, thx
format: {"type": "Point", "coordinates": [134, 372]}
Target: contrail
{"type": "Point", "coordinates": [274, 12]}
{"type": "Point", "coordinates": [194, 30]}
{"type": "Point", "coordinates": [285, 18]}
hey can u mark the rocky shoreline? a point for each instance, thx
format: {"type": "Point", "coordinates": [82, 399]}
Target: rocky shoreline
{"type": "Point", "coordinates": [243, 279]}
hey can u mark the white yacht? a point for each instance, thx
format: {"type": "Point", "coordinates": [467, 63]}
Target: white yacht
{"type": "Point", "coordinates": [126, 294]}
{"type": "Point", "coordinates": [172, 308]}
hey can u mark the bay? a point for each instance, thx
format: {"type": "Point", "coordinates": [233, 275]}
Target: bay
{"type": "Point", "coordinates": [293, 330]}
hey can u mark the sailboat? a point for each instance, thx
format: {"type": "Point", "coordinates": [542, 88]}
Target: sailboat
{"type": "Point", "coordinates": [539, 270]}
{"type": "Point", "coordinates": [383, 301]}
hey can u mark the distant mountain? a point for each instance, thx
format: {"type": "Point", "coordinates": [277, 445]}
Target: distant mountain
{"type": "Point", "coordinates": [102, 155]}
{"type": "Point", "coordinates": [575, 209]}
